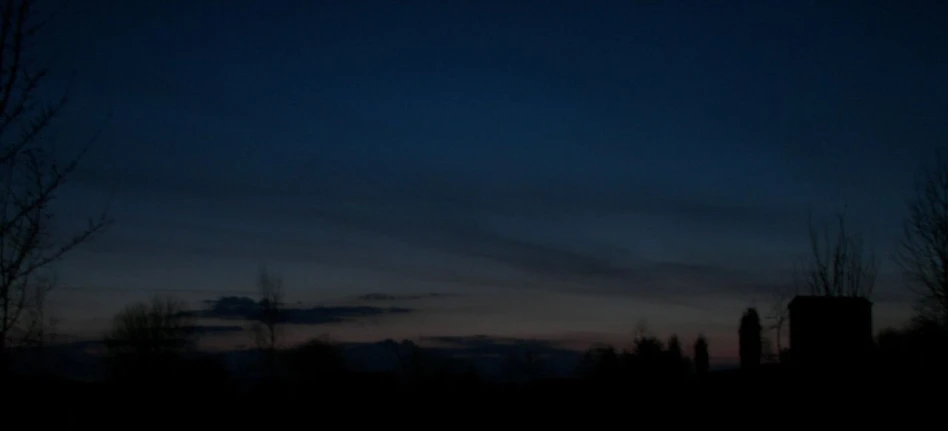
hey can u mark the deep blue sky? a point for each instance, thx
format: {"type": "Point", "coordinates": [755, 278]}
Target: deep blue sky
{"type": "Point", "coordinates": [567, 168]}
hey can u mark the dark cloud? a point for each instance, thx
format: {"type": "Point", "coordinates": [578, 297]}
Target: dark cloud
{"type": "Point", "coordinates": [467, 237]}
{"type": "Point", "coordinates": [244, 308]}
{"type": "Point", "coordinates": [231, 307]}
{"type": "Point", "coordinates": [319, 315]}
{"type": "Point", "coordinates": [534, 256]}
{"type": "Point", "coordinates": [215, 329]}
{"type": "Point", "coordinates": [399, 297]}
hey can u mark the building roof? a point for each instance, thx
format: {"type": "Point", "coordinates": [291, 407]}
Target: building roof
{"type": "Point", "coordinates": [824, 301]}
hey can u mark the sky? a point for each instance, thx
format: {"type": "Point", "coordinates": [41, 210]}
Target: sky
{"type": "Point", "coordinates": [548, 170]}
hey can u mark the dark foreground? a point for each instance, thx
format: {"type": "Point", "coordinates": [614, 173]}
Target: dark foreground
{"type": "Point", "coordinates": [354, 399]}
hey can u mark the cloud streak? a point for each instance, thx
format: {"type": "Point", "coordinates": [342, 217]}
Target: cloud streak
{"type": "Point", "coordinates": [594, 266]}
{"type": "Point", "coordinates": [244, 308]}
{"type": "Point", "coordinates": [529, 233]}
{"type": "Point", "coordinates": [398, 297]}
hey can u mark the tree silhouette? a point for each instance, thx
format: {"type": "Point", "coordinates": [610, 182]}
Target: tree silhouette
{"type": "Point", "coordinates": [147, 339]}
{"type": "Point", "coordinates": [779, 313]}
{"type": "Point", "coordinates": [650, 358]}
{"type": "Point", "coordinates": [645, 345]}
{"type": "Point", "coordinates": [839, 263]}
{"type": "Point", "coordinates": [676, 361]}
{"type": "Point", "coordinates": [599, 364]}
{"type": "Point", "coordinates": [702, 358]}
{"type": "Point", "coordinates": [30, 177]}
{"type": "Point", "coordinates": [921, 347]}
{"type": "Point", "coordinates": [523, 367]}
{"type": "Point", "coordinates": [923, 255]}
{"type": "Point", "coordinates": [751, 343]}
{"type": "Point", "coordinates": [315, 361]}
{"type": "Point", "coordinates": [270, 289]}
{"type": "Point", "coordinates": [674, 348]}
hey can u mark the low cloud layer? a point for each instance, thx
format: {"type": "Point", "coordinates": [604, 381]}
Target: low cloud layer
{"type": "Point", "coordinates": [397, 297]}
{"type": "Point", "coordinates": [215, 329]}
{"type": "Point", "coordinates": [244, 308]}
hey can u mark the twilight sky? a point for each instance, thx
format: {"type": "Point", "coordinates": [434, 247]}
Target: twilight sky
{"type": "Point", "coordinates": [556, 170]}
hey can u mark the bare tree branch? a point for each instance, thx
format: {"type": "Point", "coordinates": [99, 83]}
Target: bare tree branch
{"type": "Point", "coordinates": [30, 178]}
{"type": "Point", "coordinates": [839, 263]}
{"type": "Point", "coordinates": [779, 313]}
{"type": "Point", "coordinates": [270, 289]}
{"type": "Point", "coordinates": [923, 252]}
{"type": "Point", "coordinates": [146, 338]}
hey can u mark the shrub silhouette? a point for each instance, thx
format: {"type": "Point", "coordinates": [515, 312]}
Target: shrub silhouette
{"type": "Point", "coordinates": [673, 350]}
{"type": "Point", "coordinates": [678, 364]}
{"type": "Point", "coordinates": [920, 347]}
{"type": "Point", "coordinates": [315, 361]}
{"type": "Point", "coordinates": [522, 367]}
{"type": "Point", "coordinates": [648, 360]}
{"type": "Point", "coordinates": [702, 358]}
{"type": "Point", "coordinates": [599, 364]}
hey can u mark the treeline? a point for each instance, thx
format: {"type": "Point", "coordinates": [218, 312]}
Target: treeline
{"type": "Point", "coordinates": [154, 345]}
{"type": "Point", "coordinates": [154, 362]}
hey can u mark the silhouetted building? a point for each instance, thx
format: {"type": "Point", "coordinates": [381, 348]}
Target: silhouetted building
{"type": "Point", "coordinates": [828, 331]}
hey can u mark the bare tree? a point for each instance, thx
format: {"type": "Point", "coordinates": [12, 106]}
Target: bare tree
{"type": "Point", "coordinates": [767, 353]}
{"type": "Point", "coordinates": [839, 263]}
{"type": "Point", "coordinates": [270, 289]}
{"type": "Point", "coordinates": [39, 324]}
{"type": "Point", "coordinates": [779, 313]}
{"type": "Point", "coordinates": [30, 176]}
{"type": "Point", "coordinates": [923, 255]}
{"type": "Point", "coordinates": [147, 337]}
